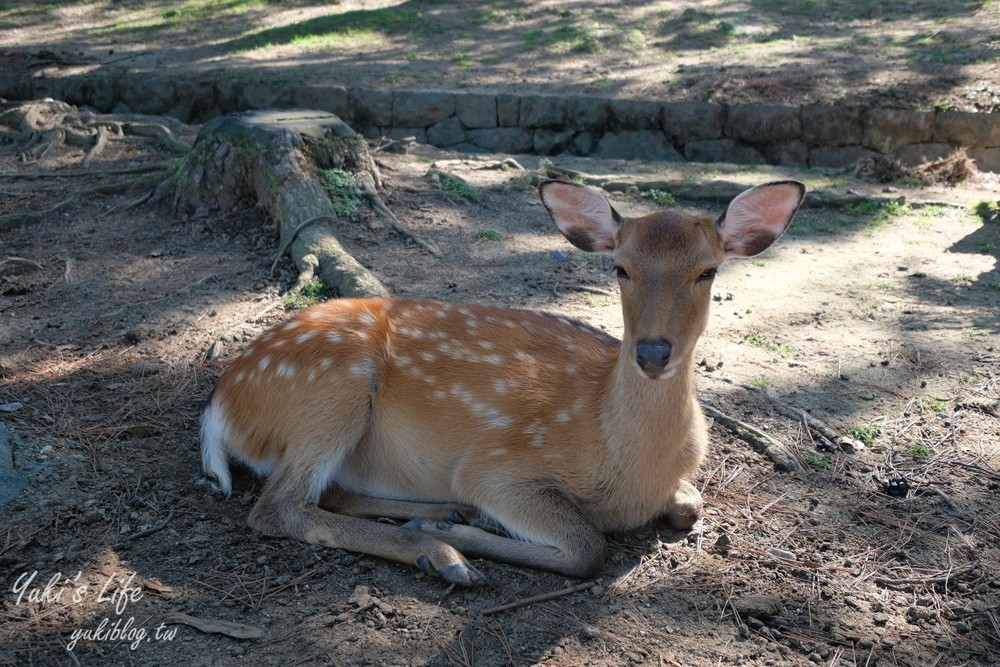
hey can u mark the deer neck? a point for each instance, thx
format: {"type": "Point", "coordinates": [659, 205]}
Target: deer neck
{"type": "Point", "coordinates": [644, 418]}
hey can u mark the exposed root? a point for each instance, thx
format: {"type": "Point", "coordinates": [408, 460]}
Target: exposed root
{"type": "Point", "coordinates": [46, 124]}
{"type": "Point", "coordinates": [783, 456]}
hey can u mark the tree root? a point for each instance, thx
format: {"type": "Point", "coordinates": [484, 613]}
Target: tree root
{"type": "Point", "coordinates": [273, 157]}
{"type": "Point", "coordinates": [43, 125]}
{"type": "Point", "coordinates": [376, 203]}
{"type": "Point", "coordinates": [14, 220]}
{"type": "Point", "coordinates": [818, 427]}
{"type": "Point", "coordinates": [784, 457]}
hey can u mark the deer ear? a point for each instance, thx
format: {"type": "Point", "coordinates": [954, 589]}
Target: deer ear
{"type": "Point", "coordinates": [584, 216]}
{"type": "Point", "coordinates": [758, 217]}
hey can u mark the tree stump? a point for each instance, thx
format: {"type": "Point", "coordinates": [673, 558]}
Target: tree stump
{"type": "Point", "coordinates": [274, 157]}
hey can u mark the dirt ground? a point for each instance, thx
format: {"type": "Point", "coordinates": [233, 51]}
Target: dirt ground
{"type": "Point", "coordinates": [881, 321]}
{"type": "Point", "coordinates": [902, 53]}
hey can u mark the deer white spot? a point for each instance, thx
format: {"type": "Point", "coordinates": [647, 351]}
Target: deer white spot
{"type": "Point", "coordinates": [416, 334]}
{"type": "Point", "coordinates": [494, 359]}
{"type": "Point", "coordinates": [428, 357]}
{"type": "Point", "coordinates": [500, 386]}
{"type": "Point", "coordinates": [326, 363]}
{"type": "Point", "coordinates": [303, 337]}
{"type": "Point", "coordinates": [311, 375]}
{"type": "Point", "coordinates": [571, 369]}
{"type": "Point", "coordinates": [525, 357]}
{"type": "Point", "coordinates": [366, 318]}
{"type": "Point", "coordinates": [465, 397]}
{"type": "Point", "coordinates": [439, 394]}
{"type": "Point", "coordinates": [290, 324]}
{"type": "Point", "coordinates": [247, 352]}
{"type": "Point", "coordinates": [333, 336]}
{"type": "Point", "coordinates": [286, 370]}
{"type": "Point", "coordinates": [402, 360]}
{"type": "Point", "coordinates": [465, 311]}
{"type": "Point", "coordinates": [486, 345]}
{"type": "Point", "coordinates": [499, 420]}
{"type": "Point", "coordinates": [577, 405]}
{"type": "Point", "coordinates": [430, 379]}
{"type": "Point", "coordinates": [537, 434]}
{"type": "Point", "coordinates": [562, 416]}
{"type": "Point", "coordinates": [363, 368]}
{"type": "Point", "coordinates": [499, 451]}
{"type": "Point", "coordinates": [263, 363]}
{"type": "Point", "coordinates": [279, 342]}
{"type": "Point", "coordinates": [240, 377]}
{"type": "Point", "coordinates": [267, 336]}
{"type": "Point", "coordinates": [361, 333]}
{"type": "Point", "coordinates": [438, 335]}
{"type": "Point", "coordinates": [444, 348]}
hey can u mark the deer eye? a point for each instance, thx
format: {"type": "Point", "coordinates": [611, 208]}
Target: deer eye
{"type": "Point", "coordinates": [707, 274]}
{"type": "Point", "coordinates": [621, 273]}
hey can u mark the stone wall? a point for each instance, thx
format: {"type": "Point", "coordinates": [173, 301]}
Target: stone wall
{"type": "Point", "coordinates": [807, 136]}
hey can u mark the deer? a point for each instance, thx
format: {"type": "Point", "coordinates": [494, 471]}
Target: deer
{"type": "Point", "coordinates": [508, 435]}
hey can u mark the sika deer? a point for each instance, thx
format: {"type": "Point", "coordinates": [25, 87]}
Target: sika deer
{"type": "Point", "coordinates": [543, 426]}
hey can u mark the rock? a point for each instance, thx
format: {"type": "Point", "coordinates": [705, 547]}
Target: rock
{"type": "Point", "coordinates": [722, 150]}
{"type": "Point", "coordinates": [637, 145]}
{"type": "Point", "coordinates": [760, 606]}
{"type": "Point", "coordinates": [763, 123]}
{"type": "Point", "coordinates": [885, 130]}
{"type": "Point", "coordinates": [551, 142]}
{"type": "Point", "coordinates": [371, 107]}
{"type": "Point", "coordinates": [447, 132]}
{"type": "Point", "coordinates": [830, 126]}
{"type": "Point", "coordinates": [543, 111]}
{"type": "Point", "coordinates": [692, 121]}
{"type": "Point", "coordinates": [411, 108]}
{"type": "Point", "coordinates": [477, 110]}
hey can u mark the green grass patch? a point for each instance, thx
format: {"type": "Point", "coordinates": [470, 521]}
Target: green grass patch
{"type": "Point", "coordinates": [661, 197]}
{"type": "Point", "coordinates": [866, 433]}
{"type": "Point", "coordinates": [307, 296]}
{"type": "Point", "coordinates": [929, 404]}
{"type": "Point", "coordinates": [987, 211]}
{"type": "Point", "coordinates": [817, 460]}
{"type": "Point", "coordinates": [761, 341]}
{"type": "Point", "coordinates": [920, 453]}
{"type": "Point", "coordinates": [459, 187]}
{"type": "Point", "coordinates": [489, 234]}
{"type": "Point", "coordinates": [338, 30]}
{"type": "Point", "coordinates": [339, 187]}
{"type": "Point", "coordinates": [876, 215]}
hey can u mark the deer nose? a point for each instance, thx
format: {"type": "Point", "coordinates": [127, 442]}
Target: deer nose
{"type": "Point", "coordinates": [652, 355]}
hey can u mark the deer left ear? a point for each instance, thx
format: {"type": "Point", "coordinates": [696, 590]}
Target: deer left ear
{"type": "Point", "coordinates": [758, 217]}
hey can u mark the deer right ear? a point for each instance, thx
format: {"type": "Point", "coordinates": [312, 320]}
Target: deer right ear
{"type": "Point", "coordinates": [584, 216]}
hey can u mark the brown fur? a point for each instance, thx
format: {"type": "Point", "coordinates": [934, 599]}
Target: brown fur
{"type": "Point", "coordinates": [417, 409]}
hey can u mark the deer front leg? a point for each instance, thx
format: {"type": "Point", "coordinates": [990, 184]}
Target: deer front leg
{"type": "Point", "coordinates": [284, 511]}
{"type": "Point", "coordinates": [341, 501]}
{"type": "Point", "coordinates": [685, 507]}
{"type": "Point", "coordinates": [551, 530]}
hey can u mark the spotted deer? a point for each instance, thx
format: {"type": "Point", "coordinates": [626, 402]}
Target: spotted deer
{"type": "Point", "coordinates": [504, 434]}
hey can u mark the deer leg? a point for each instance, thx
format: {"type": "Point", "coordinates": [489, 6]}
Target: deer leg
{"type": "Point", "coordinates": [285, 510]}
{"type": "Point", "coordinates": [685, 508]}
{"type": "Point", "coordinates": [346, 502]}
{"type": "Point", "coordinates": [552, 531]}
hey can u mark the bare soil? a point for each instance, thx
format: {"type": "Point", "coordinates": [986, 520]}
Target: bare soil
{"type": "Point", "coordinates": [881, 320]}
{"type": "Point", "coordinates": [905, 53]}
{"type": "Point", "coordinates": [878, 320]}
